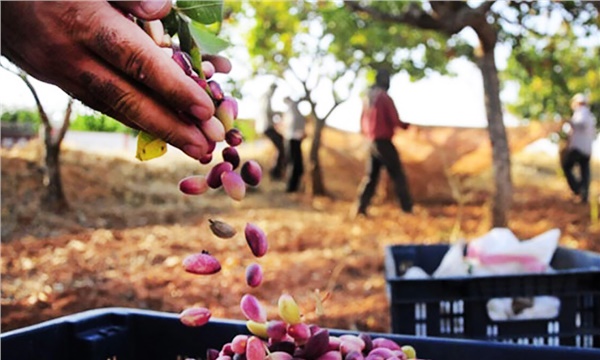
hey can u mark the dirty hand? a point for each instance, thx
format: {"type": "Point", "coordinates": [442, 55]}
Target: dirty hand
{"type": "Point", "coordinates": [96, 54]}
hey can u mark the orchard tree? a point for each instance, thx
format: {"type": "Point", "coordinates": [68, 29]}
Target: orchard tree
{"type": "Point", "coordinates": [293, 40]}
{"type": "Point", "coordinates": [54, 197]}
{"type": "Point", "coordinates": [489, 20]}
{"type": "Point", "coordinates": [551, 67]}
{"type": "Point", "coordinates": [286, 41]}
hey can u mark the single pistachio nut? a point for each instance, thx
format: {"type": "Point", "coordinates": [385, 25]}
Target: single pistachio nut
{"type": "Point", "coordinates": [201, 264]}
{"type": "Point", "coordinates": [254, 275]}
{"type": "Point", "coordinates": [213, 178]}
{"type": "Point", "coordinates": [233, 103]}
{"type": "Point", "coordinates": [184, 61]}
{"type": "Point", "coordinates": [233, 185]}
{"type": "Point", "coordinates": [216, 91]}
{"type": "Point", "coordinates": [253, 309]}
{"type": "Point", "coordinates": [288, 309]}
{"type": "Point", "coordinates": [316, 345]}
{"type": "Point", "coordinates": [156, 31]}
{"type": "Point", "coordinates": [256, 239]}
{"type": "Point", "coordinates": [238, 343]}
{"type": "Point", "coordinates": [300, 332]}
{"type": "Point", "coordinates": [231, 155]}
{"type": "Point", "coordinates": [382, 352]}
{"type": "Point", "coordinates": [193, 185]}
{"type": "Point", "coordinates": [167, 41]}
{"type": "Point", "coordinates": [409, 351]}
{"type": "Point", "coordinates": [233, 137]}
{"type": "Point", "coordinates": [279, 355]}
{"type": "Point", "coordinates": [206, 159]}
{"type": "Point", "coordinates": [257, 328]}
{"type": "Point", "coordinates": [251, 172]}
{"type": "Point", "coordinates": [368, 340]}
{"type": "Point", "coordinates": [385, 343]}
{"type": "Point", "coordinates": [225, 113]}
{"type": "Point", "coordinates": [196, 316]}
{"type": "Point", "coordinates": [355, 355]}
{"type": "Point", "coordinates": [276, 329]}
{"type": "Point", "coordinates": [212, 354]}
{"type": "Point", "coordinates": [255, 349]}
{"type": "Point", "coordinates": [221, 229]}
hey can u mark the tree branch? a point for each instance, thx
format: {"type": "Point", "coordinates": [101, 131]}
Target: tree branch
{"type": "Point", "coordinates": [21, 74]}
{"type": "Point", "coordinates": [448, 17]}
{"type": "Point", "coordinates": [415, 16]}
{"type": "Point", "coordinates": [43, 115]}
{"type": "Point", "coordinates": [66, 121]}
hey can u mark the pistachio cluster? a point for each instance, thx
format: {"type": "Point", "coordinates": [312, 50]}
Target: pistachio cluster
{"type": "Point", "coordinates": [290, 338]}
{"type": "Point", "coordinates": [219, 128]}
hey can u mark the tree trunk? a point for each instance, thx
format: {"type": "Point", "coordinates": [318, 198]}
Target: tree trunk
{"type": "Point", "coordinates": [502, 198]}
{"type": "Point", "coordinates": [316, 176]}
{"type": "Point", "coordinates": [54, 198]}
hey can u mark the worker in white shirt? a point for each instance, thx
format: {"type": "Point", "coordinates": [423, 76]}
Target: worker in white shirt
{"type": "Point", "coordinates": [579, 148]}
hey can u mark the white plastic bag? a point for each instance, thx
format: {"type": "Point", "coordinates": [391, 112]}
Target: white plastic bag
{"type": "Point", "coordinates": [453, 263]}
{"type": "Point", "coordinates": [499, 252]}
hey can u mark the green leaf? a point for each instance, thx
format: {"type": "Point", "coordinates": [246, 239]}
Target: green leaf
{"type": "Point", "coordinates": [207, 42]}
{"type": "Point", "coordinates": [205, 11]}
{"type": "Point", "coordinates": [183, 32]}
{"type": "Point", "coordinates": [170, 23]}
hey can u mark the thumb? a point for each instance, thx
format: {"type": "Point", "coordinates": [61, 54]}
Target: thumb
{"type": "Point", "coordinates": [145, 9]}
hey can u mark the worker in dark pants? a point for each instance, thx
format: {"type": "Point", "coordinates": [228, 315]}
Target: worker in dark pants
{"type": "Point", "coordinates": [265, 125]}
{"type": "Point", "coordinates": [579, 147]}
{"type": "Point", "coordinates": [379, 120]}
{"type": "Point", "coordinates": [296, 132]}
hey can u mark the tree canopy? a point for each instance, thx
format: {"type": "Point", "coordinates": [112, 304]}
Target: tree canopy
{"type": "Point", "coordinates": [553, 62]}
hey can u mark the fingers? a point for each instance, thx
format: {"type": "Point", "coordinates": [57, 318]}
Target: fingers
{"type": "Point", "coordinates": [107, 91]}
{"type": "Point", "coordinates": [146, 10]}
{"type": "Point", "coordinates": [128, 48]}
{"type": "Point", "coordinates": [221, 64]}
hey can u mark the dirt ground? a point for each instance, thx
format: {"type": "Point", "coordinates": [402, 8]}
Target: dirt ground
{"type": "Point", "coordinates": [123, 240]}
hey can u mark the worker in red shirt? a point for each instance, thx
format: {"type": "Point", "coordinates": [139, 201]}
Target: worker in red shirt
{"type": "Point", "coordinates": [378, 123]}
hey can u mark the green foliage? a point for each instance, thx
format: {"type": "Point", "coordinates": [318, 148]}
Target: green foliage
{"type": "Point", "coordinates": [22, 116]}
{"type": "Point", "coordinates": [205, 40]}
{"type": "Point", "coordinates": [551, 68]}
{"type": "Point", "coordinates": [364, 42]}
{"type": "Point", "coordinates": [282, 30]}
{"type": "Point", "coordinates": [246, 127]}
{"type": "Point", "coordinates": [205, 12]}
{"type": "Point", "coordinates": [197, 24]}
{"type": "Point", "coordinates": [271, 38]}
{"type": "Point", "coordinates": [98, 122]}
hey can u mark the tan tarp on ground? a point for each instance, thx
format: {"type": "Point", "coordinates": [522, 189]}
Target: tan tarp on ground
{"type": "Point", "coordinates": [430, 155]}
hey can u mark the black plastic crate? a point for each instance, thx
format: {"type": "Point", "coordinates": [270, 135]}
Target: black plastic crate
{"type": "Point", "coordinates": [130, 334]}
{"type": "Point", "coordinates": [456, 307]}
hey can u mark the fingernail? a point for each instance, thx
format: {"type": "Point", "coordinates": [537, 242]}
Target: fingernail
{"type": "Point", "coordinates": [151, 7]}
{"type": "Point", "coordinates": [194, 151]}
{"type": "Point", "coordinates": [200, 112]}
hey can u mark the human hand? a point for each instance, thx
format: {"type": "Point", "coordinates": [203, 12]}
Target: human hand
{"type": "Point", "coordinates": [92, 51]}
